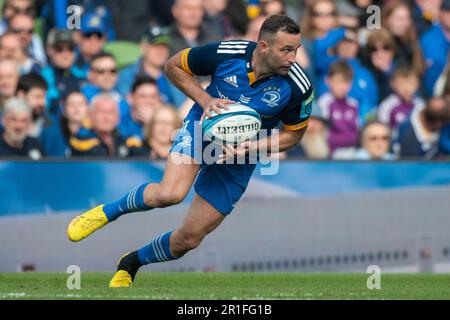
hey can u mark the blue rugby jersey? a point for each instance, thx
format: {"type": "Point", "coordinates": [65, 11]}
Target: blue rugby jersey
{"type": "Point", "coordinates": [276, 98]}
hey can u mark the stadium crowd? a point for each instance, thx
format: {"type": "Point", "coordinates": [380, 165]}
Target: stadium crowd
{"type": "Point", "coordinates": [382, 86]}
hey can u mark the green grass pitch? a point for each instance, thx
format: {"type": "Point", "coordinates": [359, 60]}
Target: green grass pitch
{"type": "Point", "coordinates": [193, 286]}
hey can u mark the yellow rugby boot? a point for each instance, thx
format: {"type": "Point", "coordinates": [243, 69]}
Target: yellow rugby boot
{"type": "Point", "coordinates": [82, 226]}
{"type": "Point", "coordinates": [121, 279]}
{"type": "Point", "coordinates": [127, 268]}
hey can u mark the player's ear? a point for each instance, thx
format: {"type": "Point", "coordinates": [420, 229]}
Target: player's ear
{"type": "Point", "coordinates": [263, 45]}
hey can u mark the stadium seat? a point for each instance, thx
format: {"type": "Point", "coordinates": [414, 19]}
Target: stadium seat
{"type": "Point", "coordinates": [125, 52]}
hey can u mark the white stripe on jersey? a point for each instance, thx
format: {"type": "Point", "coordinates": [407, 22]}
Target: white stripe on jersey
{"type": "Point", "coordinates": [235, 42]}
{"type": "Point", "coordinates": [296, 80]}
{"type": "Point", "coordinates": [232, 46]}
{"type": "Point", "coordinates": [231, 51]}
{"type": "Point", "coordinates": [302, 74]}
{"type": "Point", "coordinates": [295, 70]}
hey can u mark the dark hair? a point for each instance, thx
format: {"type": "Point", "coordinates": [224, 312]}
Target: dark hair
{"type": "Point", "coordinates": [102, 55]}
{"type": "Point", "coordinates": [68, 94]}
{"type": "Point", "coordinates": [31, 80]}
{"type": "Point", "coordinates": [404, 72]}
{"type": "Point", "coordinates": [341, 67]}
{"type": "Point", "coordinates": [141, 80]}
{"type": "Point", "coordinates": [276, 23]}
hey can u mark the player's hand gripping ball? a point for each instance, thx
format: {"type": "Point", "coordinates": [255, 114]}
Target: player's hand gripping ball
{"type": "Point", "coordinates": [236, 125]}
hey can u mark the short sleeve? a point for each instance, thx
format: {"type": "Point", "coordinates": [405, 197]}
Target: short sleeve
{"type": "Point", "coordinates": [204, 60]}
{"type": "Point", "coordinates": [201, 61]}
{"type": "Point", "coordinates": [295, 116]}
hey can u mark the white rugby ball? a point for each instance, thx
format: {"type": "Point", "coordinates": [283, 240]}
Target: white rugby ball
{"type": "Point", "coordinates": [238, 124]}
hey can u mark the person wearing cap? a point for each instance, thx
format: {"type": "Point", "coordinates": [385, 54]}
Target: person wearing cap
{"type": "Point", "coordinates": [435, 45]}
{"type": "Point", "coordinates": [92, 39]}
{"type": "Point", "coordinates": [155, 53]}
{"type": "Point", "coordinates": [60, 74]}
{"type": "Point", "coordinates": [56, 15]}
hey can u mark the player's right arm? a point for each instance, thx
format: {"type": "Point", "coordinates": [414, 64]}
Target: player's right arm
{"type": "Point", "coordinates": [179, 70]}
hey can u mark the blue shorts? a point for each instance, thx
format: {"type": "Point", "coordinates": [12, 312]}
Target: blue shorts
{"type": "Point", "coordinates": [221, 185]}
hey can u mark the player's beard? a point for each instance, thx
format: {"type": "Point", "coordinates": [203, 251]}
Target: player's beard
{"type": "Point", "coordinates": [316, 146]}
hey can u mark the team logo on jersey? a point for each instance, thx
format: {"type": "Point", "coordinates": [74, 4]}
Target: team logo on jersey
{"type": "Point", "coordinates": [231, 80]}
{"type": "Point", "coordinates": [272, 96]}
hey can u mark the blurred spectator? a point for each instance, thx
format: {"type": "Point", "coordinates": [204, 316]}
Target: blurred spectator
{"type": "Point", "coordinates": [159, 133]}
{"type": "Point", "coordinates": [236, 11]}
{"type": "Point", "coordinates": [131, 18]}
{"type": "Point", "coordinates": [11, 8]}
{"type": "Point", "coordinates": [56, 15]}
{"type": "Point", "coordinates": [11, 48]}
{"type": "Point", "coordinates": [320, 33]}
{"type": "Point", "coordinates": [32, 88]}
{"type": "Point", "coordinates": [425, 13]}
{"type": "Point", "coordinates": [102, 78]}
{"type": "Point", "coordinates": [444, 141]}
{"type": "Point", "coordinates": [272, 7]}
{"type": "Point", "coordinates": [349, 13]}
{"type": "Point", "coordinates": [56, 137]}
{"type": "Point", "coordinates": [419, 136]}
{"type": "Point", "coordinates": [396, 108]}
{"type": "Point", "coordinates": [353, 13]}
{"type": "Point", "coordinates": [188, 29]}
{"type": "Point", "coordinates": [216, 19]}
{"type": "Point", "coordinates": [442, 85]}
{"type": "Point", "coordinates": [364, 87]}
{"type": "Point", "coordinates": [14, 139]}
{"type": "Point", "coordinates": [9, 77]}
{"type": "Point", "coordinates": [102, 139]}
{"type": "Point", "coordinates": [155, 48]}
{"type": "Point", "coordinates": [92, 39]}
{"type": "Point", "coordinates": [396, 17]}
{"type": "Point", "coordinates": [253, 28]}
{"type": "Point", "coordinates": [379, 57]}
{"type": "Point", "coordinates": [375, 143]}
{"type": "Point", "coordinates": [23, 25]}
{"type": "Point", "coordinates": [143, 100]}
{"type": "Point", "coordinates": [435, 44]}
{"type": "Point", "coordinates": [60, 74]}
{"type": "Point", "coordinates": [338, 108]}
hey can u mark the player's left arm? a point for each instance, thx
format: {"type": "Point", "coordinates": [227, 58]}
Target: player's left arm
{"type": "Point", "coordinates": [295, 118]}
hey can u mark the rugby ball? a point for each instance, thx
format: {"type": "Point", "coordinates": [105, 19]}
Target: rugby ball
{"type": "Point", "coordinates": [238, 124]}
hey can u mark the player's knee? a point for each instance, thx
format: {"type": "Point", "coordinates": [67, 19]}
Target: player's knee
{"type": "Point", "coordinates": [166, 197]}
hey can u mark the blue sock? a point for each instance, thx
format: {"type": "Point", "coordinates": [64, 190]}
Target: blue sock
{"type": "Point", "coordinates": [157, 251]}
{"type": "Point", "coordinates": [131, 202]}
